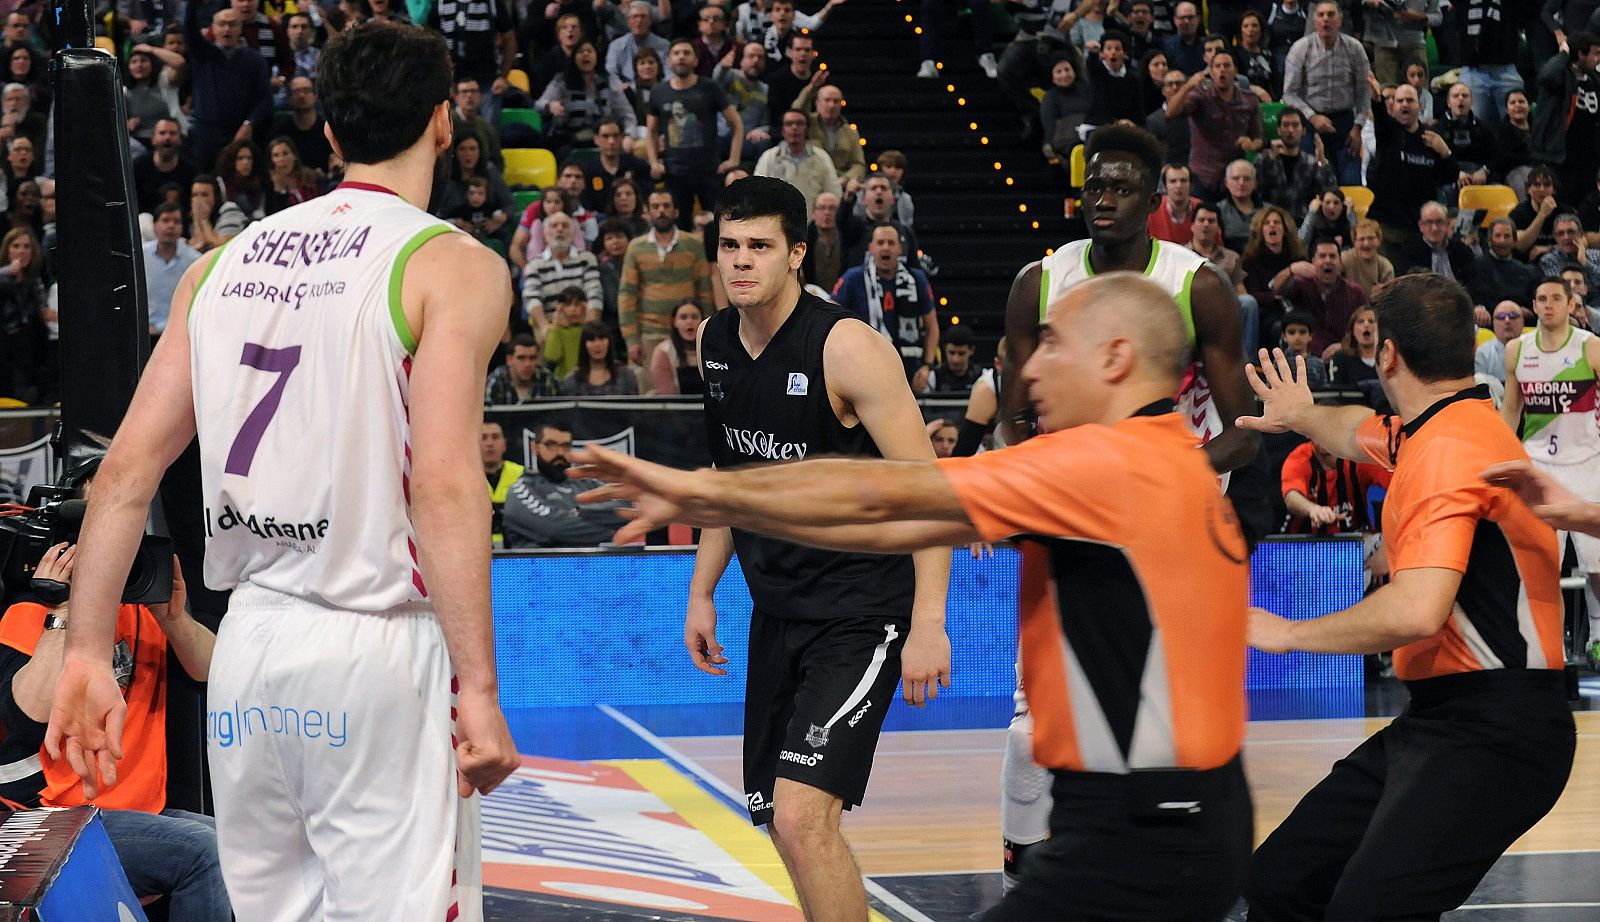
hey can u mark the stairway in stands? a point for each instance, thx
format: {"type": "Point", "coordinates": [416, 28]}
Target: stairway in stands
{"type": "Point", "coordinates": [987, 204]}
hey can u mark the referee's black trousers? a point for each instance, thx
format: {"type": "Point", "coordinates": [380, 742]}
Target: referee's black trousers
{"type": "Point", "coordinates": [1146, 847]}
{"type": "Point", "coordinates": [1407, 825]}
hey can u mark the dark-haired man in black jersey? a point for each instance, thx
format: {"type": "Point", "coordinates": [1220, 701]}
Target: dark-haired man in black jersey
{"type": "Point", "coordinates": [790, 376]}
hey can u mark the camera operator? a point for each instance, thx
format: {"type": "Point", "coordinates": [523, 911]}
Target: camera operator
{"type": "Point", "coordinates": [162, 851]}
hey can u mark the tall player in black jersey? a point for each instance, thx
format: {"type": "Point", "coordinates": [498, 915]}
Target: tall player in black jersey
{"type": "Point", "coordinates": [790, 376]}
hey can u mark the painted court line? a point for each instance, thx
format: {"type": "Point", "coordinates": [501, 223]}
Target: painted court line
{"type": "Point", "coordinates": [911, 913]}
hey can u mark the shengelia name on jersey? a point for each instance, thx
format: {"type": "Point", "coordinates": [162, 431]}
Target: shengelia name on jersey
{"type": "Point", "coordinates": [268, 528]}
{"type": "Point", "coordinates": [292, 249]}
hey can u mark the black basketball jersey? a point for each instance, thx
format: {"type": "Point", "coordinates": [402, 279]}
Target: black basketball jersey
{"type": "Point", "coordinates": [775, 408]}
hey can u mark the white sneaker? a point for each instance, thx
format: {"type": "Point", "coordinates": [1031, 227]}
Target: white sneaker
{"type": "Point", "coordinates": [928, 71]}
{"type": "Point", "coordinates": [990, 68]}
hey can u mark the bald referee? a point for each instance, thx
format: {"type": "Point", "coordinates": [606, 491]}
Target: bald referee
{"type": "Point", "coordinates": [1407, 825]}
{"type": "Point", "coordinates": [1133, 623]}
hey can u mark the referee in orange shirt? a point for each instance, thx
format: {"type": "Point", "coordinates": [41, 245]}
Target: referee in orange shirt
{"type": "Point", "coordinates": [1407, 825]}
{"type": "Point", "coordinates": [1133, 600]}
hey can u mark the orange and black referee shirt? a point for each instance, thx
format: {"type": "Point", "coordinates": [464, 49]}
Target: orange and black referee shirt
{"type": "Point", "coordinates": [1440, 513]}
{"type": "Point", "coordinates": [1135, 582]}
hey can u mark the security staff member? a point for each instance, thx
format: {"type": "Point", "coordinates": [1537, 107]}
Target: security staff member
{"type": "Point", "coordinates": [1407, 824]}
{"type": "Point", "coordinates": [500, 473]}
{"type": "Point", "coordinates": [1132, 630]}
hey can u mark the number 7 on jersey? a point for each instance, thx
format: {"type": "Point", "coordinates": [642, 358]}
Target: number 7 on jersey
{"type": "Point", "coordinates": [283, 363]}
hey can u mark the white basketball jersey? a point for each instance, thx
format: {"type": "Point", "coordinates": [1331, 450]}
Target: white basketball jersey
{"type": "Point", "coordinates": [301, 361]}
{"type": "Point", "coordinates": [1173, 268]}
{"type": "Point", "coordinates": [1561, 416]}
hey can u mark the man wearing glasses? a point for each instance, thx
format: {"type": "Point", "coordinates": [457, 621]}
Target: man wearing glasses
{"type": "Point", "coordinates": [713, 44]}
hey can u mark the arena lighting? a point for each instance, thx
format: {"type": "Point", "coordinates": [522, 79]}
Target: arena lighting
{"type": "Point", "coordinates": [949, 87]}
{"type": "Point", "coordinates": [984, 140]}
{"type": "Point", "coordinates": [1036, 225]}
{"type": "Point", "coordinates": [997, 164]}
{"type": "Point", "coordinates": [917, 30]}
{"type": "Point", "coordinates": [961, 100]}
{"type": "Point", "coordinates": [943, 302]}
{"type": "Point", "coordinates": [908, 17]}
{"type": "Point", "coordinates": [1010, 181]}
{"type": "Point", "coordinates": [973, 125]}
{"type": "Point", "coordinates": [1023, 208]}
{"type": "Point", "coordinates": [1050, 251]}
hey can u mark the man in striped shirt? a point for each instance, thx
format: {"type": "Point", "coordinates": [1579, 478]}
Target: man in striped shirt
{"type": "Point", "coordinates": [661, 270]}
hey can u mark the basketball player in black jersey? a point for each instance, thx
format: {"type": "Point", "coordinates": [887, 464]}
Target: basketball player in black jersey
{"type": "Point", "coordinates": [790, 376]}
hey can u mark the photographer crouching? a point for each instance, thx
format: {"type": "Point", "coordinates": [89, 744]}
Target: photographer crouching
{"type": "Point", "coordinates": [162, 851]}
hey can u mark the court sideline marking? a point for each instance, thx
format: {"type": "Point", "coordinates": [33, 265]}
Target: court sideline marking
{"type": "Point", "coordinates": [732, 797]}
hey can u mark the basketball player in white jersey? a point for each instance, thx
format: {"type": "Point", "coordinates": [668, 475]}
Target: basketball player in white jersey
{"type": "Point", "coordinates": [330, 359]}
{"type": "Point", "coordinates": [1551, 393]}
{"type": "Point", "coordinates": [1121, 188]}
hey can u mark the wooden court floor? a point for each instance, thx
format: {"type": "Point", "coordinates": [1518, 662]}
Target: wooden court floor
{"type": "Point", "coordinates": [933, 804]}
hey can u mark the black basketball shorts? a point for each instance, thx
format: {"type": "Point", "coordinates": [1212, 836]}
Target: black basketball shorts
{"type": "Point", "coordinates": [815, 697]}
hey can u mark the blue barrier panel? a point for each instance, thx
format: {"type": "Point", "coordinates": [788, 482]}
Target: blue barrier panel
{"type": "Point", "coordinates": [59, 866]}
{"type": "Point", "coordinates": [607, 627]}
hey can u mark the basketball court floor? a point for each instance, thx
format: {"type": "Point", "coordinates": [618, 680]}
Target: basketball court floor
{"type": "Point", "coordinates": [633, 813]}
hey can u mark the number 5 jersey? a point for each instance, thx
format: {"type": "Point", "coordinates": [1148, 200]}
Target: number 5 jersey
{"type": "Point", "coordinates": [1560, 424]}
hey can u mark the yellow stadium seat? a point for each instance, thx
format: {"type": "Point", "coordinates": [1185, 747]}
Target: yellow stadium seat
{"type": "Point", "coordinates": [1038, 93]}
{"type": "Point", "coordinates": [105, 44]}
{"type": "Point", "coordinates": [530, 166]}
{"type": "Point", "coordinates": [11, 403]}
{"type": "Point", "coordinates": [518, 78]}
{"type": "Point", "coordinates": [1360, 198]}
{"type": "Point", "coordinates": [1496, 201]}
{"type": "Point", "coordinates": [1077, 167]}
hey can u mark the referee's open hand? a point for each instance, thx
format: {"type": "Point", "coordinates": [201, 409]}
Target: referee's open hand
{"type": "Point", "coordinates": [1282, 388]}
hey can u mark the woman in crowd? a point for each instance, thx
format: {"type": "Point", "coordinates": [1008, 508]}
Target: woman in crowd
{"type": "Point", "coordinates": [292, 181]}
{"type": "Point", "coordinates": [147, 99]}
{"type": "Point", "coordinates": [242, 169]}
{"type": "Point", "coordinates": [172, 74]}
{"type": "Point", "coordinates": [575, 102]}
{"type": "Point", "coordinates": [599, 373]}
{"type": "Point", "coordinates": [646, 75]}
{"type": "Point", "coordinates": [29, 68]}
{"type": "Point", "coordinates": [626, 207]}
{"type": "Point", "coordinates": [1270, 251]}
{"type": "Point", "coordinates": [22, 313]}
{"type": "Point", "coordinates": [1153, 69]}
{"type": "Point", "coordinates": [1328, 216]}
{"type": "Point", "coordinates": [1513, 143]}
{"type": "Point", "coordinates": [1254, 57]}
{"type": "Point", "coordinates": [21, 164]}
{"type": "Point", "coordinates": [1363, 263]}
{"type": "Point", "coordinates": [675, 364]}
{"type": "Point", "coordinates": [213, 220]}
{"type": "Point", "coordinates": [466, 162]}
{"type": "Point", "coordinates": [1064, 106]}
{"type": "Point", "coordinates": [1417, 76]}
{"type": "Point", "coordinates": [1357, 359]}
{"type": "Point", "coordinates": [27, 208]}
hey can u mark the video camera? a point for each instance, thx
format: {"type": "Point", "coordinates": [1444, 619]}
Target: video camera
{"type": "Point", "coordinates": [56, 515]}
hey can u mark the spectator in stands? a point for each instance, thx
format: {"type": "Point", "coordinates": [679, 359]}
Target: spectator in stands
{"type": "Point", "coordinates": [1469, 138]}
{"type": "Point", "coordinates": [1320, 290]}
{"type": "Point", "coordinates": [22, 306]}
{"type": "Point", "coordinates": [142, 92]}
{"type": "Point", "coordinates": [1291, 176]}
{"type": "Point", "coordinates": [825, 246]}
{"type": "Point", "coordinates": [466, 167]}
{"type": "Point", "coordinates": [166, 258]}
{"type": "Point", "coordinates": [467, 96]}
{"type": "Point", "coordinates": [621, 51]}
{"type": "Point", "coordinates": [626, 209]}
{"type": "Point", "coordinates": [798, 162]}
{"type": "Point", "coordinates": [683, 119]}
{"type": "Point", "coordinates": [1396, 34]}
{"type": "Point", "coordinates": [213, 219]}
{"type": "Point", "coordinates": [1224, 123]}
{"type": "Point", "coordinates": [1152, 68]}
{"type": "Point", "coordinates": [892, 166]}
{"type": "Point", "coordinates": [241, 170]}
{"type": "Point", "coordinates": [292, 182]}
{"type": "Point", "coordinates": [982, 38]}
{"type": "Point", "coordinates": [1141, 27]}
{"type": "Point", "coordinates": [833, 133]}
{"type": "Point", "coordinates": [19, 167]}
{"type": "Point", "coordinates": [163, 851]}
{"type": "Point", "coordinates": [522, 379]}
{"type": "Point", "coordinates": [1325, 494]}
{"type": "Point", "coordinates": [1025, 62]}
{"type": "Point", "coordinates": [661, 270]}
{"type": "Point", "coordinates": [1436, 249]}
{"type": "Point", "coordinates": [301, 33]}
{"type": "Point", "coordinates": [164, 164]}
{"type": "Point", "coordinates": [1215, 45]}
{"type": "Point", "coordinates": [1509, 322]}
{"type": "Point", "coordinates": [713, 45]}
{"type": "Point", "coordinates": [958, 372]}
{"type": "Point", "coordinates": [788, 87]}
{"type": "Point", "coordinates": [612, 164]}
{"type": "Point", "coordinates": [1185, 47]}
{"type": "Point", "coordinates": [943, 434]}
{"type": "Point", "coordinates": [1417, 76]}
{"type": "Point", "coordinates": [1089, 25]}
{"type": "Point", "coordinates": [1173, 132]}
{"type": "Point", "coordinates": [232, 84]}
{"type": "Point", "coordinates": [1253, 56]}
{"type": "Point", "coordinates": [1411, 163]}
{"type": "Point", "coordinates": [1363, 263]}
{"type": "Point", "coordinates": [476, 214]}
{"type": "Point", "coordinates": [302, 125]}
{"type": "Point", "coordinates": [1564, 118]}
{"type": "Point", "coordinates": [1272, 248]}
{"type": "Point", "coordinates": [1206, 239]}
{"type": "Point", "coordinates": [559, 266]}
{"type": "Point", "coordinates": [1170, 220]}
{"type": "Point", "coordinates": [527, 241]}
{"type": "Point", "coordinates": [1325, 74]}
{"type": "Point", "coordinates": [675, 362]}
{"type": "Point", "coordinates": [752, 18]}
{"type": "Point", "coordinates": [542, 509]}
{"type": "Point", "coordinates": [611, 251]}
{"type": "Point", "coordinates": [876, 207]}
{"type": "Point", "coordinates": [776, 37]}
{"type": "Point", "coordinates": [647, 70]}
{"type": "Point", "coordinates": [578, 99]}
{"type": "Point", "coordinates": [1118, 90]}
{"type": "Point", "coordinates": [563, 339]}
{"type": "Point", "coordinates": [1064, 107]}
{"type": "Point", "coordinates": [1297, 335]}
{"type": "Point", "coordinates": [482, 40]}
{"type": "Point", "coordinates": [1329, 217]}
{"type": "Point", "coordinates": [27, 208]}
{"type": "Point", "coordinates": [1357, 359]}
{"type": "Point", "coordinates": [599, 373]}
{"type": "Point", "coordinates": [29, 68]}
{"type": "Point", "coordinates": [1490, 42]}
{"type": "Point", "coordinates": [1532, 215]}
{"type": "Point", "coordinates": [750, 95]}
{"type": "Point", "coordinates": [569, 30]}
{"type": "Point", "coordinates": [500, 473]}
{"type": "Point", "coordinates": [1498, 275]}
{"type": "Point", "coordinates": [1239, 207]}
{"type": "Point", "coordinates": [1571, 249]}
{"type": "Point", "coordinates": [896, 300]}
{"type": "Point", "coordinates": [1513, 142]}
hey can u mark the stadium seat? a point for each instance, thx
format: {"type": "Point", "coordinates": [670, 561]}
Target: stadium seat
{"type": "Point", "coordinates": [1269, 119]}
{"type": "Point", "coordinates": [530, 167]}
{"type": "Point", "coordinates": [1360, 198]}
{"type": "Point", "coordinates": [518, 78]}
{"type": "Point", "coordinates": [1038, 93]}
{"type": "Point", "coordinates": [1497, 201]}
{"type": "Point", "coordinates": [588, 155]}
{"type": "Point", "coordinates": [1077, 167]}
{"type": "Point", "coordinates": [529, 117]}
{"type": "Point", "coordinates": [105, 44]}
{"type": "Point", "coordinates": [12, 403]}
{"type": "Point", "coordinates": [524, 198]}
